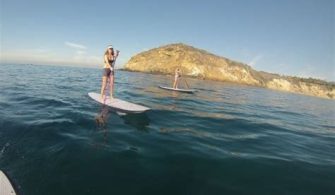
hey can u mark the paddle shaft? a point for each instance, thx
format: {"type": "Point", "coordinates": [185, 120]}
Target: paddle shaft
{"type": "Point", "coordinates": [184, 79]}
{"type": "Point", "coordinates": [186, 83]}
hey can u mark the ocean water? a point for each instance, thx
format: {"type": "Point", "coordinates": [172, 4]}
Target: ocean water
{"type": "Point", "coordinates": [224, 139]}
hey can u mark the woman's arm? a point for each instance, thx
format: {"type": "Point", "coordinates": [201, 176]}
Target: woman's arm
{"type": "Point", "coordinates": [106, 60]}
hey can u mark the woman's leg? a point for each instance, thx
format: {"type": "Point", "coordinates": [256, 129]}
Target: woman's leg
{"type": "Point", "coordinates": [175, 83]}
{"type": "Point", "coordinates": [103, 87]}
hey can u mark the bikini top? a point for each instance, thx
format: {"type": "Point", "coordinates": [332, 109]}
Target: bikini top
{"type": "Point", "coordinates": [110, 61]}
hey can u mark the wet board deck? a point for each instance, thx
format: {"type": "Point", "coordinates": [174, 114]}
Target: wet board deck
{"type": "Point", "coordinates": [6, 187]}
{"type": "Point", "coordinates": [177, 89]}
{"type": "Point", "coordinates": [118, 104]}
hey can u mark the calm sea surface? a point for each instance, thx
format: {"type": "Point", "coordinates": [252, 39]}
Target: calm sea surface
{"type": "Point", "coordinates": [224, 139]}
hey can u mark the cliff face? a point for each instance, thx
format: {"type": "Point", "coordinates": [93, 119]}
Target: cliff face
{"type": "Point", "coordinates": [201, 64]}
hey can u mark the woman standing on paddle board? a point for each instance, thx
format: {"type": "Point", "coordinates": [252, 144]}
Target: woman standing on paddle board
{"type": "Point", "coordinates": [177, 75]}
{"type": "Point", "coordinates": [108, 71]}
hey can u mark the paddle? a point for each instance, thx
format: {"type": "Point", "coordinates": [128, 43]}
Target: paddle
{"type": "Point", "coordinates": [186, 83]}
{"type": "Point", "coordinates": [184, 79]}
{"type": "Point", "coordinates": [117, 55]}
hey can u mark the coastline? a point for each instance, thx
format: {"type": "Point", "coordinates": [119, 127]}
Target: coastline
{"type": "Point", "coordinates": [227, 81]}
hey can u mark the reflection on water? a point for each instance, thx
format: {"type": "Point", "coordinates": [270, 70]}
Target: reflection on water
{"type": "Point", "coordinates": [102, 118]}
{"type": "Point", "coordinates": [105, 126]}
{"type": "Point", "coordinates": [139, 121]}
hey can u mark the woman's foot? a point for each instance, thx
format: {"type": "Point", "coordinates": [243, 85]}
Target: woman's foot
{"type": "Point", "coordinates": [102, 98]}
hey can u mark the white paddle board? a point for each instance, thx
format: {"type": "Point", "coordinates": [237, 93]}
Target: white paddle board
{"type": "Point", "coordinates": [177, 89]}
{"type": "Point", "coordinates": [119, 105]}
{"type": "Point", "coordinates": [6, 187]}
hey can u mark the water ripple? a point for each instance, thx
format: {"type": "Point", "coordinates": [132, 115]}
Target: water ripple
{"type": "Point", "coordinates": [224, 138]}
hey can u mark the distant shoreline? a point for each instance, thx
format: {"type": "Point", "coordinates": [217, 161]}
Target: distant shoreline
{"type": "Point", "coordinates": [220, 81]}
{"type": "Point", "coordinates": [200, 64]}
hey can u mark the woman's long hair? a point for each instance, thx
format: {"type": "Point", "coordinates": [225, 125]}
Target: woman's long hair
{"type": "Point", "coordinates": [106, 52]}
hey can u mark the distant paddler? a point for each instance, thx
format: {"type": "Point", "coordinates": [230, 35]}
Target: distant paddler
{"type": "Point", "coordinates": [177, 76]}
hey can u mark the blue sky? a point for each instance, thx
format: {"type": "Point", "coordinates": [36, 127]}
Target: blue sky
{"type": "Point", "coordinates": [286, 37]}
